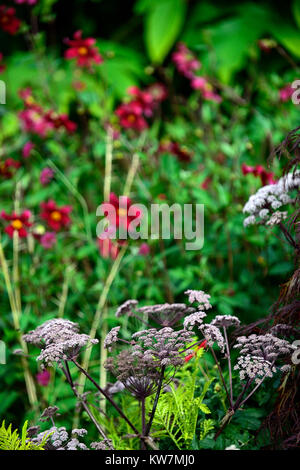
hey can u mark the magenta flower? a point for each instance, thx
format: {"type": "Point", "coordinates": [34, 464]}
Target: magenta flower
{"type": "Point", "coordinates": [46, 176]}
{"type": "Point", "coordinates": [43, 378]}
{"type": "Point", "coordinates": [83, 50]}
{"type": "Point", "coordinates": [131, 116]}
{"type": "Point", "coordinates": [144, 249]}
{"type": "Point", "coordinates": [29, 2]}
{"type": "Point", "coordinates": [48, 240]}
{"type": "Point", "coordinates": [27, 149]}
{"type": "Point", "coordinates": [185, 61]}
{"type": "Point", "coordinates": [17, 223]}
{"type": "Point", "coordinates": [285, 93]}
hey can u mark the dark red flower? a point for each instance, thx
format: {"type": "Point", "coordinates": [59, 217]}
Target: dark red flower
{"type": "Point", "coordinates": [34, 121]}
{"type": "Point", "coordinates": [83, 51]}
{"type": "Point", "coordinates": [175, 149]}
{"type": "Point", "coordinates": [266, 177]}
{"type": "Point", "coordinates": [131, 116]}
{"type": "Point", "coordinates": [18, 223]}
{"type": "Point", "coordinates": [119, 217]}
{"type": "Point", "coordinates": [59, 121]}
{"type": "Point", "coordinates": [8, 166]}
{"type": "Point", "coordinates": [143, 99]}
{"type": "Point", "coordinates": [56, 217]}
{"type": "Point", "coordinates": [8, 20]}
{"type": "Point", "coordinates": [2, 65]}
{"type": "Point", "coordinates": [206, 183]}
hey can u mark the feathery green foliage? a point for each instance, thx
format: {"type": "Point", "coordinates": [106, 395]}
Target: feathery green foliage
{"type": "Point", "coordinates": [178, 410]}
{"type": "Point", "coordinates": [12, 441]}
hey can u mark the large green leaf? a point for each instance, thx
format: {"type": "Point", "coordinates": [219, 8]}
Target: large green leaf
{"type": "Point", "coordinates": [162, 25]}
{"type": "Point", "coordinates": [288, 36]}
{"type": "Point", "coordinates": [233, 38]}
{"type": "Point", "coordinates": [296, 11]}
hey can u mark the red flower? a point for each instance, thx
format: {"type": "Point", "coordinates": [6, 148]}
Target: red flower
{"type": "Point", "coordinates": [34, 121]}
{"type": "Point", "coordinates": [131, 116]}
{"type": "Point", "coordinates": [175, 149]}
{"type": "Point", "coordinates": [56, 217]}
{"type": "Point", "coordinates": [61, 120]}
{"type": "Point", "coordinates": [2, 66]}
{"type": "Point", "coordinates": [7, 166]}
{"type": "Point", "coordinates": [83, 51]}
{"type": "Point", "coordinates": [143, 99]}
{"type": "Point", "coordinates": [266, 177]}
{"type": "Point", "coordinates": [8, 21]}
{"type": "Point", "coordinates": [18, 223]}
{"type": "Point", "coordinates": [120, 217]}
{"type": "Point", "coordinates": [206, 183]}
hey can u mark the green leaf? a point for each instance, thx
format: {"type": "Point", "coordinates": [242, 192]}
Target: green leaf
{"type": "Point", "coordinates": [163, 24]}
{"type": "Point", "coordinates": [204, 408]}
{"type": "Point", "coordinates": [288, 36]}
{"type": "Point", "coordinates": [296, 11]}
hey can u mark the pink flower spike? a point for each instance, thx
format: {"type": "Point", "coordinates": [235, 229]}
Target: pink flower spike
{"type": "Point", "coordinates": [48, 240]}
{"type": "Point", "coordinates": [43, 378]}
{"type": "Point", "coordinates": [46, 176]}
{"type": "Point", "coordinates": [27, 149]}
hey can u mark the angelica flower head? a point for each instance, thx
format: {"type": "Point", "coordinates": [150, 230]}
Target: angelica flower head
{"type": "Point", "coordinates": [59, 340]}
{"type": "Point", "coordinates": [269, 198]}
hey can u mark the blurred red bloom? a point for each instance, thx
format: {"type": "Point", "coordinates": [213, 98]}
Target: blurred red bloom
{"type": "Point", "coordinates": [143, 99]}
{"type": "Point", "coordinates": [285, 93]}
{"type": "Point", "coordinates": [2, 66]}
{"type": "Point", "coordinates": [185, 61]}
{"type": "Point", "coordinates": [26, 151]}
{"type": "Point", "coordinates": [8, 166]}
{"type": "Point", "coordinates": [48, 240]}
{"type": "Point", "coordinates": [18, 223]}
{"type": "Point", "coordinates": [120, 216]}
{"type": "Point", "coordinates": [46, 176]}
{"type": "Point", "coordinates": [56, 217]}
{"type": "Point", "coordinates": [108, 248]}
{"type": "Point", "coordinates": [61, 120]}
{"type": "Point", "coordinates": [34, 121]}
{"type": "Point", "coordinates": [29, 2]}
{"type": "Point", "coordinates": [8, 21]}
{"type": "Point", "coordinates": [83, 50]}
{"type": "Point", "coordinates": [266, 177]}
{"type": "Point", "coordinates": [144, 249]}
{"type": "Point", "coordinates": [206, 183]}
{"type": "Point", "coordinates": [175, 149]}
{"type": "Point", "coordinates": [43, 378]}
{"type": "Point", "coordinates": [202, 84]}
{"type": "Point", "coordinates": [131, 116]}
